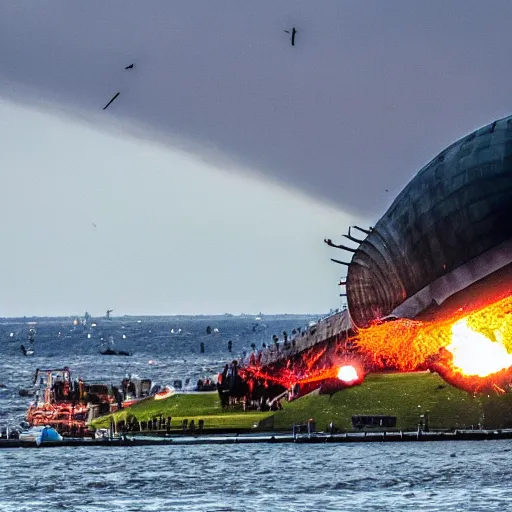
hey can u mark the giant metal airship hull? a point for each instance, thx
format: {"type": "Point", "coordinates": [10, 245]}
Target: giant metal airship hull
{"type": "Point", "coordinates": [450, 227]}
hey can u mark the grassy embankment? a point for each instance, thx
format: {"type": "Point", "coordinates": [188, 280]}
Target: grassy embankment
{"type": "Point", "coordinates": [205, 406]}
{"type": "Point", "coordinates": [405, 396]}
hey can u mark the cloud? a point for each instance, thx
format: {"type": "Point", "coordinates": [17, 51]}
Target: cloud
{"type": "Point", "coordinates": [369, 93]}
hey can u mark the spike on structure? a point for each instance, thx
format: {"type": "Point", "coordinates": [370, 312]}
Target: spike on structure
{"type": "Point", "coordinates": [345, 248]}
{"type": "Point", "coordinates": [367, 231]}
{"type": "Point", "coordinates": [329, 242]}
{"type": "Point", "coordinates": [340, 262]}
{"type": "Point", "coordinates": [351, 238]}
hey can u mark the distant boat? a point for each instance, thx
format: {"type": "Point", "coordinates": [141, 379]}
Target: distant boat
{"type": "Point", "coordinates": [26, 392]}
{"type": "Point", "coordinates": [27, 351]}
{"type": "Point", "coordinates": [113, 352]}
{"type": "Point", "coordinates": [135, 390]}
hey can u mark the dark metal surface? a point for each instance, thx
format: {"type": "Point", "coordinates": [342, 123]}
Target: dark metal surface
{"type": "Point", "coordinates": [456, 208]}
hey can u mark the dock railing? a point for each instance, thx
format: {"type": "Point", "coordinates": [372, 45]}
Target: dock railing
{"type": "Point", "coordinates": [332, 325]}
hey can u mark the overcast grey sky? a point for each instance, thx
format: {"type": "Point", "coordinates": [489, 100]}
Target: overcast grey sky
{"type": "Point", "coordinates": [229, 154]}
{"type": "Point", "coordinates": [93, 220]}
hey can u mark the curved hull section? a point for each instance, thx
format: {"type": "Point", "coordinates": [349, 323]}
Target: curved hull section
{"type": "Point", "coordinates": [455, 211]}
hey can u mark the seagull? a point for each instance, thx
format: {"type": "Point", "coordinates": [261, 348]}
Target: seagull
{"type": "Point", "coordinates": [112, 99]}
{"type": "Point", "coordinates": [130, 66]}
{"type": "Point", "coordinates": [293, 32]}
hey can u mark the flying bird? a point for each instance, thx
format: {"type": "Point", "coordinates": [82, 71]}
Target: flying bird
{"type": "Point", "coordinates": [130, 66]}
{"type": "Point", "coordinates": [113, 98]}
{"type": "Point", "coordinates": [94, 225]}
{"type": "Point", "coordinates": [293, 32]}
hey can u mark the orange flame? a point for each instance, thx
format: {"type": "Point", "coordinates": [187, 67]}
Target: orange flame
{"type": "Point", "coordinates": [471, 350]}
{"type": "Point", "coordinates": [410, 345]}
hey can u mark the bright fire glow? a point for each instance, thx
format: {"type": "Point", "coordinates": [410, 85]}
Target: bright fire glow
{"type": "Point", "coordinates": [347, 374]}
{"type": "Point", "coordinates": [474, 353]}
{"type": "Point", "coordinates": [409, 345]}
{"type": "Point", "coordinates": [471, 349]}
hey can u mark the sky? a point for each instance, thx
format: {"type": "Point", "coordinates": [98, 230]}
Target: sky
{"type": "Point", "coordinates": [211, 181]}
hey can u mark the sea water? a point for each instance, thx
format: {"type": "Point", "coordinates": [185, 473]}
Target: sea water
{"type": "Point", "coordinates": [265, 477]}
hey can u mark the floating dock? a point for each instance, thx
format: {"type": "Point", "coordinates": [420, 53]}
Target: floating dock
{"type": "Point", "coordinates": [314, 438]}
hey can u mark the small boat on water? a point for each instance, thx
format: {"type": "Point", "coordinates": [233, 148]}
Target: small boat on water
{"type": "Point", "coordinates": [166, 392]}
{"type": "Point", "coordinates": [69, 405]}
{"type": "Point", "coordinates": [27, 351]}
{"type": "Point", "coordinates": [136, 390]}
{"type": "Point", "coordinates": [111, 350]}
{"type": "Point", "coordinates": [40, 435]}
{"type": "Point", "coordinates": [26, 392]}
{"type": "Point", "coordinates": [66, 404]}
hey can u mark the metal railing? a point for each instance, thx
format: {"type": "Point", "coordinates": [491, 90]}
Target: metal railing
{"type": "Point", "coordinates": [327, 327]}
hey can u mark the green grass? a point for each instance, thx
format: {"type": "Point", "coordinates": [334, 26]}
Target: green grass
{"type": "Point", "coordinates": [205, 406]}
{"type": "Point", "coordinates": [404, 395]}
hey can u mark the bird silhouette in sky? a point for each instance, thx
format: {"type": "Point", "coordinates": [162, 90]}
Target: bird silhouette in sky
{"type": "Point", "coordinates": [293, 32]}
{"type": "Point", "coordinates": [131, 66]}
{"type": "Point", "coordinates": [94, 225]}
{"type": "Point", "coordinates": [111, 100]}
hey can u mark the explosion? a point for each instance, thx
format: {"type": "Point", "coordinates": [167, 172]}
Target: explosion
{"type": "Point", "coordinates": [470, 350]}
{"type": "Point", "coordinates": [475, 354]}
{"type": "Point", "coordinates": [348, 374]}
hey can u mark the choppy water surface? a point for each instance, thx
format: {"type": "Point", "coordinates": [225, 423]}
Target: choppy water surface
{"type": "Point", "coordinates": [457, 476]}
{"type": "Point", "coordinates": [157, 353]}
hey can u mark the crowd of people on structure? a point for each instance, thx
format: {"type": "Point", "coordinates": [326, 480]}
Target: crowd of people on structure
{"type": "Point", "coordinates": [242, 382]}
{"type": "Point", "coordinates": [284, 346]}
{"type": "Point", "coordinates": [238, 388]}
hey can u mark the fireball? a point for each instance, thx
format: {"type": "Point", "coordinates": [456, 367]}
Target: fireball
{"type": "Point", "coordinates": [348, 374]}
{"type": "Point", "coordinates": [474, 353]}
